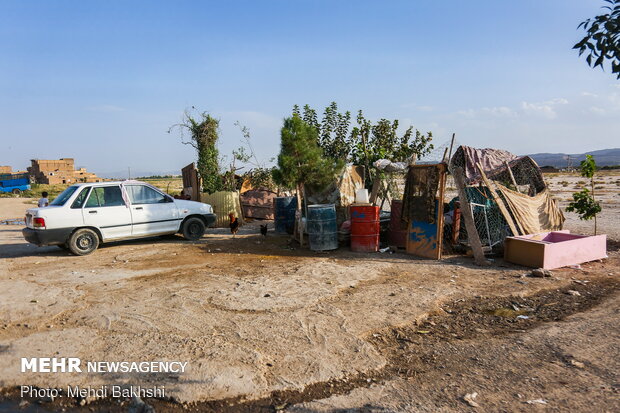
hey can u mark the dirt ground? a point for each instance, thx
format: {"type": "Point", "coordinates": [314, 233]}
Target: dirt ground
{"type": "Point", "coordinates": [268, 326]}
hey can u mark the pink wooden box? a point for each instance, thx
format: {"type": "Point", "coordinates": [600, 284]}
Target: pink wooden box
{"type": "Point", "coordinates": [554, 249]}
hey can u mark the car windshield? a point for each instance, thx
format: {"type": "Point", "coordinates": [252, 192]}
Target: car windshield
{"type": "Point", "coordinates": [64, 196]}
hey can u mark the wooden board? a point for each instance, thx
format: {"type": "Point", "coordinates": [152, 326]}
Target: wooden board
{"type": "Point", "coordinates": [468, 217]}
{"type": "Point", "coordinates": [424, 239]}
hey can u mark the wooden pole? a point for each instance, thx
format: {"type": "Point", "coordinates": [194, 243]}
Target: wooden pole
{"type": "Point", "coordinates": [512, 177]}
{"type": "Point", "coordinates": [498, 201]}
{"type": "Point", "coordinates": [442, 190]}
{"type": "Point", "coordinates": [468, 217]}
{"type": "Point", "coordinates": [375, 190]}
{"type": "Point", "coordinates": [451, 144]}
{"type": "Point", "coordinates": [443, 158]}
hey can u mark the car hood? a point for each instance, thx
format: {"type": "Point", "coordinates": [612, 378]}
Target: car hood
{"type": "Point", "coordinates": [193, 206]}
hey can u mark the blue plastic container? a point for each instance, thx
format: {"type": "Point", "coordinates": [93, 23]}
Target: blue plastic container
{"type": "Point", "coordinates": [284, 214]}
{"type": "Point", "coordinates": [322, 228]}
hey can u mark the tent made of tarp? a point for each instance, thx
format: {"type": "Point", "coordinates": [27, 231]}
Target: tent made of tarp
{"type": "Point", "coordinates": [341, 192]}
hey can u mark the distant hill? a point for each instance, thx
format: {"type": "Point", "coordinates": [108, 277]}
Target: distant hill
{"type": "Point", "coordinates": [604, 157]}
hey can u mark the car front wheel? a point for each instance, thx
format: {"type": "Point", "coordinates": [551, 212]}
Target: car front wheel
{"type": "Point", "coordinates": [83, 241]}
{"type": "Point", "coordinates": [193, 229]}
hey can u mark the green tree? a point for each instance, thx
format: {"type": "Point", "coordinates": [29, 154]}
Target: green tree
{"type": "Point", "coordinates": [203, 136]}
{"type": "Point", "coordinates": [301, 161]}
{"type": "Point", "coordinates": [602, 40]}
{"type": "Point", "coordinates": [381, 141]}
{"type": "Point", "coordinates": [584, 203]}
{"type": "Point", "coordinates": [334, 132]}
{"type": "Point", "coordinates": [260, 176]}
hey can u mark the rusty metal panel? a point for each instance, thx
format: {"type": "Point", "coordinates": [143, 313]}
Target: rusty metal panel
{"type": "Point", "coordinates": [258, 203]}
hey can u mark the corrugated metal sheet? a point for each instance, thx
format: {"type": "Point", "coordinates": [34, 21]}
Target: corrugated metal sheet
{"type": "Point", "coordinates": [223, 203]}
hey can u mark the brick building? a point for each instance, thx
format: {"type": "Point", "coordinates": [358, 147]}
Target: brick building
{"type": "Point", "coordinates": [59, 171]}
{"type": "Point", "coordinates": [6, 170]}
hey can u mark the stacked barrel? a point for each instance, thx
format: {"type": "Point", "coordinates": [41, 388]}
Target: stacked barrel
{"type": "Point", "coordinates": [365, 226]}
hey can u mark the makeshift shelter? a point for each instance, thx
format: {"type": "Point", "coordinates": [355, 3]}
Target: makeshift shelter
{"type": "Point", "coordinates": [501, 194]}
{"type": "Point", "coordinates": [340, 193]}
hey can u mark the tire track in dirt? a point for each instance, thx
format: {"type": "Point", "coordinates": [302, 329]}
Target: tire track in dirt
{"type": "Point", "coordinates": [412, 350]}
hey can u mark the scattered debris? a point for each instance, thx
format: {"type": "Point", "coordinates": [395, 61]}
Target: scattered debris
{"type": "Point", "coordinates": [507, 312]}
{"type": "Point", "coordinates": [577, 364]}
{"type": "Point", "coordinates": [537, 401]}
{"type": "Point", "coordinates": [522, 317]}
{"type": "Point", "coordinates": [138, 406]}
{"type": "Point", "coordinates": [573, 292]}
{"type": "Point", "coordinates": [470, 399]}
{"type": "Point", "coordinates": [540, 273]}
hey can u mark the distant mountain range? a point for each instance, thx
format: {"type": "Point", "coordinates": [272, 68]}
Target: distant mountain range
{"type": "Point", "coordinates": [604, 157]}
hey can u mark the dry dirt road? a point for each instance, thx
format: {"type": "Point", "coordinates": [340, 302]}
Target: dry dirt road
{"type": "Point", "coordinates": [264, 326]}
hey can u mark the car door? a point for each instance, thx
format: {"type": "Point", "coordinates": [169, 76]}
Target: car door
{"type": "Point", "coordinates": [152, 212]}
{"type": "Point", "coordinates": [105, 209]}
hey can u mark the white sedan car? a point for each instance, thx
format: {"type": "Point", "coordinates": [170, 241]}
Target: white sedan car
{"type": "Point", "coordinates": [85, 215]}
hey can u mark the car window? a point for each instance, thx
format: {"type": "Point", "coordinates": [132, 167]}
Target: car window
{"type": "Point", "coordinates": [141, 194]}
{"type": "Point", "coordinates": [80, 199]}
{"type": "Point", "coordinates": [105, 196]}
{"type": "Point", "coordinates": [64, 196]}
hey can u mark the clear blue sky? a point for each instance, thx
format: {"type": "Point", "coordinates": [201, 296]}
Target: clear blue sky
{"type": "Point", "coordinates": [102, 81]}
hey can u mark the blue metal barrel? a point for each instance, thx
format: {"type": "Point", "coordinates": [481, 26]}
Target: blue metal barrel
{"type": "Point", "coordinates": [322, 228]}
{"type": "Point", "coordinates": [284, 214]}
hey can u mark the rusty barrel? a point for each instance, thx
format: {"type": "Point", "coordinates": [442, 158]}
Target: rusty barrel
{"type": "Point", "coordinates": [398, 229]}
{"type": "Point", "coordinates": [365, 227]}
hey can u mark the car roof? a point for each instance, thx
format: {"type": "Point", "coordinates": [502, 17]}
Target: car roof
{"type": "Point", "coordinates": [127, 181]}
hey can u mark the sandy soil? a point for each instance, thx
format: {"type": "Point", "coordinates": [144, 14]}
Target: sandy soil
{"type": "Point", "coordinates": [254, 317]}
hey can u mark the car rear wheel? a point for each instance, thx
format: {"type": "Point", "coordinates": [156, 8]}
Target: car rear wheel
{"type": "Point", "coordinates": [193, 229]}
{"type": "Point", "coordinates": [83, 241]}
{"type": "Point", "coordinates": [16, 191]}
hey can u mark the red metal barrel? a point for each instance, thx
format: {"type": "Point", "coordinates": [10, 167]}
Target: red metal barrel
{"type": "Point", "coordinates": [365, 227]}
{"type": "Point", "coordinates": [398, 229]}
